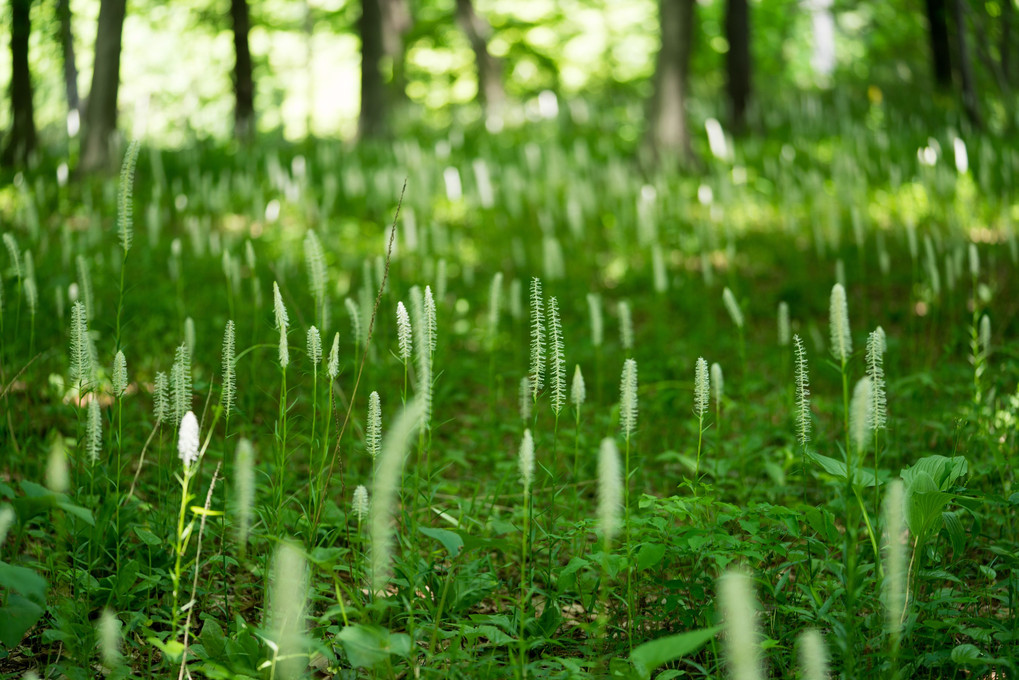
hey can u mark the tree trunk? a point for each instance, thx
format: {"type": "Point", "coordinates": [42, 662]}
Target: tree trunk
{"type": "Point", "coordinates": [668, 133]}
{"type": "Point", "coordinates": [396, 23]}
{"type": "Point", "coordinates": [941, 56]}
{"type": "Point", "coordinates": [737, 61]}
{"type": "Point", "coordinates": [373, 106]}
{"type": "Point", "coordinates": [70, 63]}
{"type": "Point", "coordinates": [244, 82]}
{"type": "Point", "coordinates": [491, 93]}
{"type": "Point", "coordinates": [21, 142]}
{"type": "Point", "coordinates": [101, 110]}
{"type": "Point", "coordinates": [970, 103]}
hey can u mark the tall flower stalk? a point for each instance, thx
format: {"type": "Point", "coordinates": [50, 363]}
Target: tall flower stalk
{"type": "Point", "coordinates": [701, 399]}
{"type": "Point", "coordinates": [282, 323]}
{"type": "Point", "coordinates": [525, 461]}
{"type": "Point", "coordinates": [125, 219]}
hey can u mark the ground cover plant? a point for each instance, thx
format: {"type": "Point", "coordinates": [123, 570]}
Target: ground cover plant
{"type": "Point", "coordinates": [515, 405]}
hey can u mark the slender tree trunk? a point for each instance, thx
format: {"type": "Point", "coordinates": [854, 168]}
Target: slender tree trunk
{"type": "Point", "coordinates": [101, 111]}
{"type": "Point", "coordinates": [244, 82]}
{"type": "Point", "coordinates": [970, 102]}
{"type": "Point", "coordinates": [21, 142]}
{"type": "Point", "coordinates": [737, 61]}
{"type": "Point", "coordinates": [396, 23]}
{"type": "Point", "coordinates": [491, 93]}
{"type": "Point", "coordinates": [372, 121]}
{"type": "Point", "coordinates": [64, 19]}
{"type": "Point", "coordinates": [668, 133]}
{"type": "Point", "coordinates": [941, 55]}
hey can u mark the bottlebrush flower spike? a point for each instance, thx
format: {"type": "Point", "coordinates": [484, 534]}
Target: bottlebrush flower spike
{"type": "Point", "coordinates": [735, 313]}
{"type": "Point", "coordinates": [841, 337]}
{"type": "Point", "coordinates": [373, 431]}
{"type": "Point", "coordinates": [701, 387]}
{"type": "Point", "coordinates": [537, 376]}
{"type": "Point", "coordinates": [578, 390]}
{"type": "Point", "coordinates": [525, 461]}
{"type": "Point", "coordinates": [802, 392]}
{"type": "Point", "coordinates": [628, 398]}
{"type": "Point", "coordinates": [403, 332]}
{"type": "Point", "coordinates": [557, 360]}
{"type": "Point", "coordinates": [188, 440]}
{"type": "Point", "coordinates": [610, 489]}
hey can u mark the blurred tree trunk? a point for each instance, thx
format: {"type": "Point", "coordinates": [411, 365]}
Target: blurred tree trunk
{"type": "Point", "coordinates": [941, 56]}
{"type": "Point", "coordinates": [70, 63]}
{"type": "Point", "coordinates": [668, 133]}
{"type": "Point", "coordinates": [491, 93]}
{"type": "Point", "coordinates": [244, 82]}
{"type": "Point", "coordinates": [970, 103]}
{"type": "Point", "coordinates": [737, 61]}
{"type": "Point", "coordinates": [21, 142]}
{"type": "Point", "coordinates": [101, 109]}
{"type": "Point", "coordinates": [396, 23]}
{"type": "Point", "coordinates": [371, 122]}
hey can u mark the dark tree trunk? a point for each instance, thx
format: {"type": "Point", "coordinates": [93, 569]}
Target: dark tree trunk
{"type": "Point", "coordinates": [21, 142]}
{"type": "Point", "coordinates": [396, 23]}
{"type": "Point", "coordinates": [70, 63]}
{"type": "Point", "coordinates": [737, 61]}
{"type": "Point", "coordinates": [373, 104]}
{"type": "Point", "coordinates": [668, 133]}
{"type": "Point", "coordinates": [941, 56]}
{"type": "Point", "coordinates": [970, 103]}
{"type": "Point", "coordinates": [101, 110]}
{"type": "Point", "coordinates": [491, 93]}
{"type": "Point", "coordinates": [244, 82]}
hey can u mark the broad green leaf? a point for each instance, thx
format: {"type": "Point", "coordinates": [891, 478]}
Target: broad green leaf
{"type": "Point", "coordinates": [172, 649]}
{"type": "Point", "coordinates": [24, 581]}
{"type": "Point", "coordinates": [17, 616]}
{"type": "Point", "coordinates": [837, 468]}
{"type": "Point", "coordinates": [367, 645]}
{"type": "Point", "coordinates": [449, 540]}
{"type": "Point", "coordinates": [924, 505]}
{"type": "Point", "coordinates": [84, 514]}
{"type": "Point", "coordinates": [147, 537]}
{"type": "Point", "coordinates": [651, 655]}
{"type": "Point", "coordinates": [944, 471]}
{"type": "Point", "coordinates": [649, 555]}
{"type": "Point", "coordinates": [967, 655]}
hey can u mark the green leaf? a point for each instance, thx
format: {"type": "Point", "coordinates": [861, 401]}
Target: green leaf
{"type": "Point", "coordinates": [367, 645]}
{"type": "Point", "coordinates": [924, 505]}
{"type": "Point", "coordinates": [84, 514]}
{"type": "Point", "coordinates": [649, 555]}
{"type": "Point", "coordinates": [16, 618]}
{"type": "Point", "coordinates": [449, 540]}
{"type": "Point", "coordinates": [23, 580]}
{"type": "Point", "coordinates": [171, 649]}
{"type": "Point", "coordinates": [968, 655]}
{"type": "Point", "coordinates": [956, 532]}
{"type": "Point", "coordinates": [147, 537]}
{"type": "Point", "coordinates": [944, 471]}
{"type": "Point", "coordinates": [837, 469]}
{"type": "Point", "coordinates": [213, 639]}
{"type": "Point", "coordinates": [651, 655]}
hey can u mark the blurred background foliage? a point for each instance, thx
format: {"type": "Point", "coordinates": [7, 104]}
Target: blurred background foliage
{"type": "Point", "coordinates": [178, 58]}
